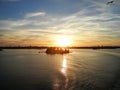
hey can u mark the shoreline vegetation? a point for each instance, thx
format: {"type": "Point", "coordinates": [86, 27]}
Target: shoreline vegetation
{"type": "Point", "coordinates": [71, 47]}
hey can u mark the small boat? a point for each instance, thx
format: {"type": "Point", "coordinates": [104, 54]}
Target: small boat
{"type": "Point", "coordinates": [57, 50]}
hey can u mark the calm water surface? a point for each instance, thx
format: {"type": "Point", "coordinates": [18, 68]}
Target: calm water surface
{"type": "Point", "coordinates": [78, 70]}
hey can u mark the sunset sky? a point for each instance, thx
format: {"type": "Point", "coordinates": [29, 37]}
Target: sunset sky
{"type": "Point", "coordinates": [42, 22]}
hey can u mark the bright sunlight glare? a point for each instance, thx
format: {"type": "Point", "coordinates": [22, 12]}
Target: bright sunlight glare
{"type": "Point", "coordinates": [63, 41]}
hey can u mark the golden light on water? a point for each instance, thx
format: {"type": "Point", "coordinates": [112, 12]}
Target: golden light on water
{"type": "Point", "coordinates": [64, 72]}
{"type": "Point", "coordinates": [63, 41]}
{"type": "Point", "coordinates": [57, 83]}
{"type": "Point", "coordinates": [64, 66]}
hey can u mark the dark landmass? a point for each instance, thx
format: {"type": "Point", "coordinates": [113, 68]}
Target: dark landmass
{"type": "Point", "coordinates": [45, 47]}
{"type": "Point", "coordinates": [58, 50]}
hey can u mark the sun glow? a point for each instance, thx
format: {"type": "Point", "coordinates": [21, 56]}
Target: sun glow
{"type": "Point", "coordinates": [63, 41]}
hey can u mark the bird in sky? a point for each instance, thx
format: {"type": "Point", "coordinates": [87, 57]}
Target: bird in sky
{"type": "Point", "coordinates": [110, 2]}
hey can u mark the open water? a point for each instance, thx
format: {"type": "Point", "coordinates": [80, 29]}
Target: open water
{"type": "Point", "coordinates": [82, 69]}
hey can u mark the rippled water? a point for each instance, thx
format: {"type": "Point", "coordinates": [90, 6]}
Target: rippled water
{"type": "Point", "coordinates": [79, 70]}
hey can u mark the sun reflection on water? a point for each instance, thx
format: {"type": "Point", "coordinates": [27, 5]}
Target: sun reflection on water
{"type": "Point", "coordinates": [64, 72]}
{"type": "Point", "coordinates": [64, 66]}
{"type": "Point", "coordinates": [62, 83]}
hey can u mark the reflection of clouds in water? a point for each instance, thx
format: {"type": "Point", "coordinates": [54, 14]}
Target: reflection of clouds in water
{"type": "Point", "coordinates": [62, 83]}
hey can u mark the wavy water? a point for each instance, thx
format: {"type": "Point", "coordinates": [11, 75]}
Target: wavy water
{"type": "Point", "coordinates": [78, 70]}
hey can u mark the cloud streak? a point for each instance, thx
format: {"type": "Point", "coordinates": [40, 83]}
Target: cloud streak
{"type": "Point", "coordinates": [37, 14]}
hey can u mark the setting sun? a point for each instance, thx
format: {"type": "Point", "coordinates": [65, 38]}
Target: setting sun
{"type": "Point", "coordinates": [63, 41]}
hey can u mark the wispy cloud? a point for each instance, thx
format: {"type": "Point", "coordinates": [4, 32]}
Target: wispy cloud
{"type": "Point", "coordinates": [29, 15]}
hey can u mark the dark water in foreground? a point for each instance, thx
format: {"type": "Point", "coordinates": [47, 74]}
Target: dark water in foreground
{"type": "Point", "coordinates": [78, 70]}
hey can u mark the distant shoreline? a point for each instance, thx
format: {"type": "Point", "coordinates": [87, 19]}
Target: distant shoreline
{"type": "Point", "coordinates": [45, 47]}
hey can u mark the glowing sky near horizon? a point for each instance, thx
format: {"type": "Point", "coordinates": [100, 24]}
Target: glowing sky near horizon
{"type": "Point", "coordinates": [40, 22]}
